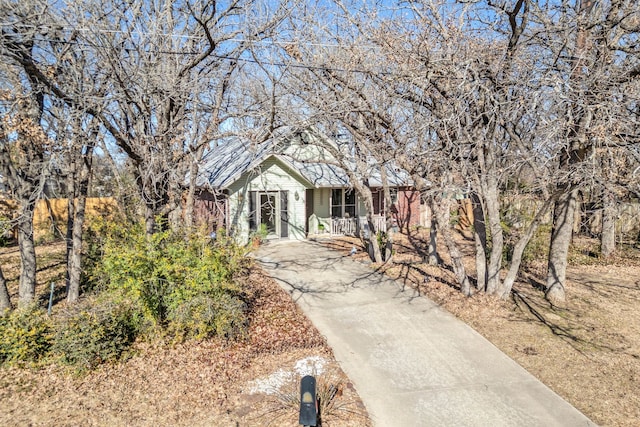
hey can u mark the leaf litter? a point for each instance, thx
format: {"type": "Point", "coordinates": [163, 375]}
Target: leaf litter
{"type": "Point", "coordinates": [205, 383]}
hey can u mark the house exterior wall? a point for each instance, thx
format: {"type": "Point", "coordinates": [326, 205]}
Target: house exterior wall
{"type": "Point", "coordinates": [272, 176]}
{"type": "Point", "coordinates": [406, 210]}
{"type": "Point", "coordinates": [209, 210]}
{"type": "Point", "coordinates": [321, 202]}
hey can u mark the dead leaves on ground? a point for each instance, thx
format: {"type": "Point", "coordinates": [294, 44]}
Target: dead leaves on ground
{"type": "Point", "coordinates": [194, 383]}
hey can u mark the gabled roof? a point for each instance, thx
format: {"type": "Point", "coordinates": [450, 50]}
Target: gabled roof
{"type": "Point", "coordinates": [225, 164]}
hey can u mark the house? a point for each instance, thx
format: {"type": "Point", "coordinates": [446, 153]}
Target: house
{"type": "Point", "coordinates": [291, 187]}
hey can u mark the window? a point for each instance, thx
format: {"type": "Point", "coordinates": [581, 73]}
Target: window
{"type": "Point", "coordinates": [343, 203]}
{"type": "Point", "coordinates": [350, 203]}
{"type": "Point", "coordinates": [393, 192]}
{"type": "Point", "coordinates": [336, 202]}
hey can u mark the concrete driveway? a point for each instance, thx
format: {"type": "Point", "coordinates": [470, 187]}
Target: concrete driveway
{"type": "Point", "coordinates": [412, 363]}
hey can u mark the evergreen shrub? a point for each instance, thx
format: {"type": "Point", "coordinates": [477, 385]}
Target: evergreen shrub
{"type": "Point", "coordinates": [26, 335]}
{"type": "Point", "coordinates": [102, 331]}
{"type": "Point", "coordinates": [186, 285]}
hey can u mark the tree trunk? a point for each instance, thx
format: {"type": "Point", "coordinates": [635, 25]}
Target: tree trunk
{"type": "Point", "coordinates": [564, 212]}
{"type": "Point", "coordinates": [444, 229]}
{"type": "Point", "coordinates": [388, 250]}
{"type": "Point", "coordinates": [71, 214]}
{"type": "Point", "coordinates": [5, 299]}
{"type": "Point", "coordinates": [577, 151]}
{"type": "Point", "coordinates": [432, 249]}
{"type": "Point", "coordinates": [374, 252]}
{"type": "Point", "coordinates": [504, 290]}
{"type": "Point", "coordinates": [494, 265]}
{"type": "Point", "coordinates": [174, 216]}
{"type": "Point", "coordinates": [480, 239]}
{"type": "Point", "coordinates": [189, 219]}
{"type": "Point", "coordinates": [608, 237]}
{"type": "Point", "coordinates": [149, 221]}
{"type": "Point", "coordinates": [374, 247]}
{"type": "Point", "coordinates": [75, 259]}
{"type": "Point", "coordinates": [191, 192]}
{"type": "Point", "coordinates": [27, 286]}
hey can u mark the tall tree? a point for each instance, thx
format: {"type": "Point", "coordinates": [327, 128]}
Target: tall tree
{"type": "Point", "coordinates": [24, 146]}
{"type": "Point", "coordinates": [79, 160]}
{"type": "Point", "coordinates": [596, 57]}
{"type": "Point", "coordinates": [467, 92]}
{"type": "Point", "coordinates": [158, 60]}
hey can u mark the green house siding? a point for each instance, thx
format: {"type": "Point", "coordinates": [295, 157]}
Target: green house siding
{"type": "Point", "coordinates": [273, 177]}
{"type": "Point", "coordinates": [321, 205]}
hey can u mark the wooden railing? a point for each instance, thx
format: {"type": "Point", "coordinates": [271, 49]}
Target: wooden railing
{"type": "Point", "coordinates": [344, 226]}
{"type": "Point", "coordinates": [379, 223]}
{"type": "Point", "coordinates": [347, 226]}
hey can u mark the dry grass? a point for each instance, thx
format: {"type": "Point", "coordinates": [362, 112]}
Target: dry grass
{"type": "Point", "coordinates": [588, 351]}
{"type": "Point", "coordinates": [195, 384]}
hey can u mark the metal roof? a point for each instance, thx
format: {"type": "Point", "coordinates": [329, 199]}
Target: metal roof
{"type": "Point", "coordinates": [225, 164]}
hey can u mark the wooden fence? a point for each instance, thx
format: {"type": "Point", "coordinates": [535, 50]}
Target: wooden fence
{"type": "Point", "coordinates": [50, 215]}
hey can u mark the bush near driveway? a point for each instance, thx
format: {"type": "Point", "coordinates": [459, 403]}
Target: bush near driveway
{"type": "Point", "coordinates": [168, 286]}
{"type": "Point", "coordinates": [186, 287]}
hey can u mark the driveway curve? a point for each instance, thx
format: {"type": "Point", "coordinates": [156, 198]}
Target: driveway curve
{"type": "Point", "coordinates": [412, 363]}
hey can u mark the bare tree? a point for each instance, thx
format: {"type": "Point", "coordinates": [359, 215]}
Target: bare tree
{"type": "Point", "coordinates": [339, 97]}
{"type": "Point", "coordinates": [490, 92]}
{"type": "Point", "coordinates": [23, 144]}
{"type": "Point", "coordinates": [79, 160]}
{"type": "Point", "coordinates": [469, 92]}
{"type": "Point", "coordinates": [593, 52]}
{"type": "Point", "coordinates": [158, 61]}
{"type": "Point", "coordinates": [40, 140]}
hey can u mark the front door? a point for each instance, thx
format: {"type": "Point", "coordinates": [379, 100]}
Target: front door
{"type": "Point", "coordinates": [268, 213]}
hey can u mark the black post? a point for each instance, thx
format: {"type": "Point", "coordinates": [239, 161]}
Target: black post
{"type": "Point", "coordinates": [308, 401]}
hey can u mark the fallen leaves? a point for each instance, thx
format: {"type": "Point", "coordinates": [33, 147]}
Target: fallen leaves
{"type": "Point", "coordinates": [189, 384]}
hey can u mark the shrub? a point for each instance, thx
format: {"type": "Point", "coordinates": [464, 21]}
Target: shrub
{"type": "Point", "coordinates": [187, 285]}
{"type": "Point", "coordinates": [204, 316]}
{"type": "Point", "coordinates": [98, 231]}
{"type": "Point", "coordinates": [538, 248]}
{"type": "Point", "coordinates": [260, 235]}
{"type": "Point", "coordinates": [25, 335]}
{"type": "Point", "coordinates": [92, 335]}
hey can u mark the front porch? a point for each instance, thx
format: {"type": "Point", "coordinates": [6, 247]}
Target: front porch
{"type": "Point", "coordinates": [345, 226]}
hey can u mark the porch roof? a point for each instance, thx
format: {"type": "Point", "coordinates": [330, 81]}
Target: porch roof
{"type": "Point", "coordinates": [324, 175]}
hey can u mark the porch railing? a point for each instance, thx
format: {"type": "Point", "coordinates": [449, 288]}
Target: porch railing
{"type": "Point", "coordinates": [346, 226]}
{"type": "Point", "coordinates": [379, 223]}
